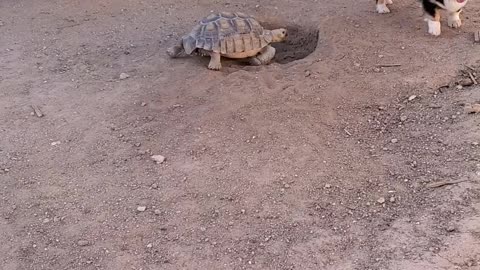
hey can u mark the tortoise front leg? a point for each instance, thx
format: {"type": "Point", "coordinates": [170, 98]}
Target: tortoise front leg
{"type": "Point", "coordinates": [215, 63]}
{"type": "Point", "coordinates": [265, 56]}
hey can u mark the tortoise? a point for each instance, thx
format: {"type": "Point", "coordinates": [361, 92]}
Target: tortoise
{"type": "Point", "coordinates": [231, 35]}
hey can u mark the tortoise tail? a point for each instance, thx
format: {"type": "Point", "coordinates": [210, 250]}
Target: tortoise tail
{"type": "Point", "coordinates": [176, 51]}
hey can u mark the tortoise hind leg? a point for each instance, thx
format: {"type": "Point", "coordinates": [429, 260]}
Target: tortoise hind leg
{"type": "Point", "coordinates": [215, 63]}
{"type": "Point", "coordinates": [264, 57]}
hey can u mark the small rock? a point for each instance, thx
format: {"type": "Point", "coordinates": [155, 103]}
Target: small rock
{"type": "Point", "coordinates": [155, 186]}
{"type": "Point", "coordinates": [377, 70]}
{"type": "Point", "coordinates": [124, 76]}
{"type": "Point", "coordinates": [328, 186]}
{"type": "Point", "coordinates": [403, 118]}
{"type": "Point", "coordinates": [381, 108]}
{"type": "Point", "coordinates": [55, 143]}
{"type": "Point", "coordinates": [46, 220]}
{"type": "Point", "coordinates": [141, 208]}
{"type": "Point", "coordinates": [472, 108]}
{"type": "Point", "coordinates": [392, 199]}
{"type": "Point", "coordinates": [143, 104]}
{"type": "Point", "coordinates": [473, 143]}
{"type": "Point", "coordinates": [459, 87]}
{"type": "Point", "coordinates": [83, 243]}
{"type": "Point", "coordinates": [465, 82]}
{"type": "Point", "coordinates": [381, 200]}
{"type": "Point", "coordinates": [307, 73]}
{"type": "Point", "coordinates": [394, 140]}
{"type": "Point", "coordinates": [450, 228]}
{"type": "Point", "coordinates": [157, 212]}
{"type": "Point", "coordinates": [159, 159]}
{"type": "Point", "coordinates": [412, 97]}
{"type": "Point", "coordinates": [149, 246]}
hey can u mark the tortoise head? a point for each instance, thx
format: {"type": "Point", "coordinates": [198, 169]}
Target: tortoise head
{"type": "Point", "coordinates": [279, 35]}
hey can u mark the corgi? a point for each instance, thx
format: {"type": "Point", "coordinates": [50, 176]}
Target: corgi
{"type": "Point", "coordinates": [432, 9]}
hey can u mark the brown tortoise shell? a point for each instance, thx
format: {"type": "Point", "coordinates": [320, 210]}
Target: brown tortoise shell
{"type": "Point", "coordinates": [226, 33]}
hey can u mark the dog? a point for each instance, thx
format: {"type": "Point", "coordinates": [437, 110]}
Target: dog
{"type": "Point", "coordinates": [432, 9]}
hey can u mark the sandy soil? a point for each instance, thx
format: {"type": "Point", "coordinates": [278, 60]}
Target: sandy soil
{"type": "Point", "coordinates": [326, 162]}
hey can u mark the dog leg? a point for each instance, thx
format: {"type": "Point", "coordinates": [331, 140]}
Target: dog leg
{"type": "Point", "coordinates": [434, 26]}
{"type": "Point", "coordinates": [389, 2]}
{"type": "Point", "coordinates": [454, 20]}
{"type": "Point", "coordinates": [382, 6]}
{"type": "Point", "coordinates": [433, 18]}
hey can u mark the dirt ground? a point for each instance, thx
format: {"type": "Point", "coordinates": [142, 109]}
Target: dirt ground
{"type": "Point", "coordinates": [326, 162]}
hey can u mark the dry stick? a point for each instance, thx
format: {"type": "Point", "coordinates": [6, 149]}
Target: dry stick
{"type": "Point", "coordinates": [37, 111]}
{"type": "Point", "coordinates": [477, 36]}
{"type": "Point", "coordinates": [389, 65]}
{"type": "Point", "coordinates": [470, 67]}
{"type": "Point", "coordinates": [472, 78]}
{"type": "Point", "coordinates": [443, 183]}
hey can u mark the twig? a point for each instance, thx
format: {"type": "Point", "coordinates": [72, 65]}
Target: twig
{"type": "Point", "coordinates": [470, 67]}
{"type": "Point", "coordinates": [37, 111]}
{"type": "Point", "coordinates": [346, 131]}
{"type": "Point", "coordinates": [443, 183]}
{"type": "Point", "coordinates": [472, 78]}
{"type": "Point", "coordinates": [389, 65]}
{"type": "Point", "coordinates": [477, 36]}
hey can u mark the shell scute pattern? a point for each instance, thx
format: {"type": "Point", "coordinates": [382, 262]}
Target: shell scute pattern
{"type": "Point", "coordinates": [226, 33]}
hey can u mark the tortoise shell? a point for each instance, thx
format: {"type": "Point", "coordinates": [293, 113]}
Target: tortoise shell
{"type": "Point", "coordinates": [227, 33]}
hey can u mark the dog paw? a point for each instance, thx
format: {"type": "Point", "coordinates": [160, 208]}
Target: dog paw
{"type": "Point", "coordinates": [382, 9]}
{"type": "Point", "coordinates": [454, 21]}
{"type": "Point", "coordinates": [434, 28]}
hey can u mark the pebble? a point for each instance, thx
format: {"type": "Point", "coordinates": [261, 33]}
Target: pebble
{"type": "Point", "coordinates": [83, 243]}
{"type": "Point", "coordinates": [141, 208]}
{"type": "Point", "coordinates": [124, 76]}
{"type": "Point", "coordinates": [403, 118]}
{"type": "Point", "coordinates": [143, 104]}
{"type": "Point", "coordinates": [55, 143]}
{"type": "Point", "coordinates": [412, 97]}
{"type": "Point", "coordinates": [159, 159]}
{"type": "Point", "coordinates": [149, 246]}
{"type": "Point", "coordinates": [394, 140]}
{"type": "Point", "coordinates": [157, 212]}
{"type": "Point", "coordinates": [392, 199]}
{"type": "Point", "coordinates": [472, 108]}
{"type": "Point", "coordinates": [381, 200]}
{"type": "Point", "coordinates": [473, 143]}
{"type": "Point", "coordinates": [155, 186]}
{"type": "Point", "coordinates": [450, 229]}
{"type": "Point", "coordinates": [328, 186]}
{"type": "Point", "coordinates": [46, 220]}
